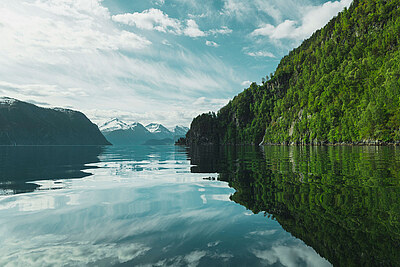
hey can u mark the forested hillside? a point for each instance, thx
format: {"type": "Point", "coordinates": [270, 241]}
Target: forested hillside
{"type": "Point", "coordinates": [340, 85]}
{"type": "Point", "coordinates": [23, 124]}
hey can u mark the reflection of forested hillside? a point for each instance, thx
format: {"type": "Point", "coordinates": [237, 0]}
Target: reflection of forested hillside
{"type": "Point", "coordinates": [342, 201]}
{"type": "Point", "coordinates": [19, 165]}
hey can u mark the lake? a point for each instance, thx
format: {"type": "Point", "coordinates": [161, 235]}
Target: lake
{"type": "Point", "coordinates": [206, 206]}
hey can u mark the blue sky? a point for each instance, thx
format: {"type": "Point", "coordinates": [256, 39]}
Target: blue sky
{"type": "Point", "coordinates": [156, 60]}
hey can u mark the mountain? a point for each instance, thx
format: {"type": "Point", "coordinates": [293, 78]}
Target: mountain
{"type": "Point", "coordinates": [113, 125]}
{"type": "Point", "coordinates": [339, 86]}
{"type": "Point", "coordinates": [180, 131]}
{"type": "Point", "coordinates": [159, 131]}
{"type": "Point", "coordinates": [23, 123]}
{"type": "Point", "coordinates": [118, 132]}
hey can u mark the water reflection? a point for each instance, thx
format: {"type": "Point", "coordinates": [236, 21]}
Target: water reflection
{"type": "Point", "coordinates": [160, 206]}
{"type": "Point", "coordinates": [22, 164]}
{"type": "Point", "coordinates": [142, 206]}
{"type": "Point", "coordinates": [342, 201]}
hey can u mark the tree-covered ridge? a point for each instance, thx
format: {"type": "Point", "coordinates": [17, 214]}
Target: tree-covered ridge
{"type": "Point", "coordinates": [340, 85]}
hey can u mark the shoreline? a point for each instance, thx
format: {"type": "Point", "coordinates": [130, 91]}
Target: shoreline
{"type": "Point", "coordinates": [370, 143]}
{"type": "Point", "coordinates": [363, 143]}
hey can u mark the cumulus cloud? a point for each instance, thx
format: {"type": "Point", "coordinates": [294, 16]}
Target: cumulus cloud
{"type": "Point", "coordinates": [192, 29]}
{"type": "Point", "coordinates": [314, 18]}
{"type": "Point", "coordinates": [155, 19]}
{"type": "Point", "coordinates": [212, 43]}
{"type": "Point", "coordinates": [151, 19]}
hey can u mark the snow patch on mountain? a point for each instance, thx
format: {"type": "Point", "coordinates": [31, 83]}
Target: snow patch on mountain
{"type": "Point", "coordinates": [7, 100]}
{"type": "Point", "coordinates": [121, 133]}
{"type": "Point", "coordinates": [114, 125]}
{"type": "Point", "coordinates": [157, 128]}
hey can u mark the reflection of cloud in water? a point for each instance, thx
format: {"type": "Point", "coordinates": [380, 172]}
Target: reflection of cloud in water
{"type": "Point", "coordinates": [127, 207]}
{"type": "Point", "coordinates": [28, 202]}
{"type": "Point", "coordinates": [51, 250]}
{"type": "Point", "coordinates": [213, 244]}
{"type": "Point", "coordinates": [191, 259]}
{"type": "Point", "coordinates": [291, 256]}
{"type": "Point", "coordinates": [221, 197]}
{"type": "Point", "coordinates": [263, 233]}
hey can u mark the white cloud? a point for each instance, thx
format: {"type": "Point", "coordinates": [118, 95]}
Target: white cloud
{"type": "Point", "coordinates": [223, 30]}
{"type": "Point", "coordinates": [166, 42]}
{"type": "Point", "coordinates": [261, 54]}
{"type": "Point", "coordinates": [151, 19]}
{"type": "Point", "coordinates": [25, 36]}
{"type": "Point", "coordinates": [71, 54]}
{"type": "Point", "coordinates": [235, 8]}
{"type": "Point", "coordinates": [314, 18]}
{"type": "Point", "coordinates": [155, 19]}
{"type": "Point", "coordinates": [192, 29]}
{"type": "Point", "coordinates": [211, 43]}
{"type": "Point", "coordinates": [246, 83]}
{"type": "Point", "coordinates": [202, 15]}
{"type": "Point", "coordinates": [159, 2]}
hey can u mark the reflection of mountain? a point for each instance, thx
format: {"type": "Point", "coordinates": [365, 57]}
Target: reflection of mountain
{"type": "Point", "coordinates": [118, 132]}
{"type": "Point", "coordinates": [26, 124]}
{"type": "Point", "coordinates": [19, 165]}
{"type": "Point", "coordinates": [342, 201]}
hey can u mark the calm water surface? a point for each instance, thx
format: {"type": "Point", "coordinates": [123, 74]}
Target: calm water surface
{"type": "Point", "coordinates": [171, 206]}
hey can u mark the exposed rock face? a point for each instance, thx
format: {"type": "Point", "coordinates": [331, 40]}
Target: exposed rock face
{"type": "Point", "coordinates": [23, 123]}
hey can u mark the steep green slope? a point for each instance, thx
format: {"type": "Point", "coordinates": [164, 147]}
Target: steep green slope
{"type": "Point", "coordinates": [340, 85]}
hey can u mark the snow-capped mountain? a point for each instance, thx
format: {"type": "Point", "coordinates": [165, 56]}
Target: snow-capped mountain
{"type": "Point", "coordinates": [113, 125]}
{"type": "Point", "coordinates": [159, 131]}
{"type": "Point", "coordinates": [7, 101]}
{"type": "Point", "coordinates": [120, 133]}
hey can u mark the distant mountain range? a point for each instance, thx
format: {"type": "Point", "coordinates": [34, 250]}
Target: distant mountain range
{"type": "Point", "coordinates": [23, 123]}
{"type": "Point", "coordinates": [118, 132]}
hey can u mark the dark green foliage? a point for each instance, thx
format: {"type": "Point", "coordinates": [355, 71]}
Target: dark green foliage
{"type": "Point", "coordinates": [204, 130]}
{"type": "Point", "coordinates": [342, 201]}
{"type": "Point", "coordinates": [340, 85]}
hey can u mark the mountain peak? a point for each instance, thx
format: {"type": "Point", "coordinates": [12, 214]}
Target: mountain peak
{"type": "Point", "coordinates": [7, 100]}
{"type": "Point", "coordinates": [113, 125]}
{"type": "Point", "coordinates": [157, 128]}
